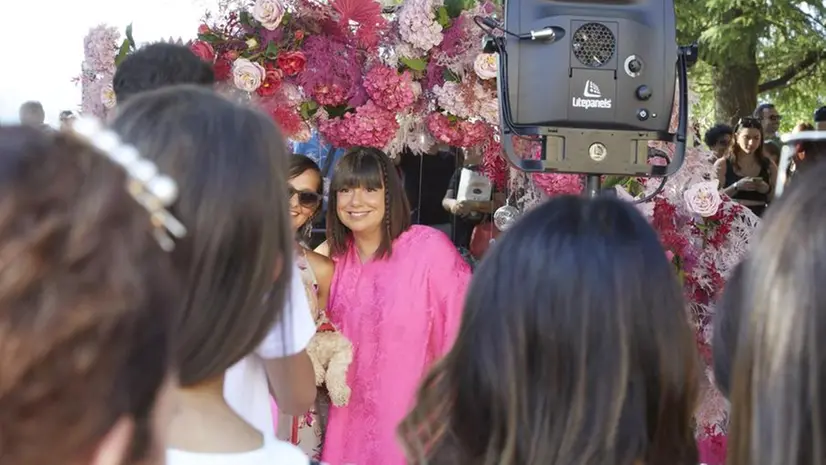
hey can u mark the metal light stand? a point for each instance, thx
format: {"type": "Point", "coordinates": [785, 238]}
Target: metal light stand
{"type": "Point", "coordinates": [593, 184]}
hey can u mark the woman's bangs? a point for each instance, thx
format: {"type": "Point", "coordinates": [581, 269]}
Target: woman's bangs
{"type": "Point", "coordinates": [357, 171]}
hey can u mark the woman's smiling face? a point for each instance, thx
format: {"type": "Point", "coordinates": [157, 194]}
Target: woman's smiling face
{"type": "Point", "coordinates": [304, 197]}
{"type": "Point", "coordinates": [361, 209]}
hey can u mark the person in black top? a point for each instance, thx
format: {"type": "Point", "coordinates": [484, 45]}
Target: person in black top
{"type": "Point", "coordinates": [745, 173]}
{"type": "Point", "coordinates": [466, 214]}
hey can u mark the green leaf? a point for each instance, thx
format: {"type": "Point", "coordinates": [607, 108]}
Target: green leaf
{"type": "Point", "coordinates": [454, 7]}
{"type": "Point", "coordinates": [450, 76]}
{"type": "Point", "coordinates": [272, 50]}
{"type": "Point", "coordinates": [442, 17]}
{"type": "Point", "coordinates": [337, 111]}
{"type": "Point", "coordinates": [129, 37]}
{"type": "Point", "coordinates": [245, 18]}
{"type": "Point", "coordinates": [308, 109]}
{"type": "Point", "coordinates": [416, 64]}
{"type": "Point", "coordinates": [613, 181]}
{"type": "Point", "coordinates": [124, 50]}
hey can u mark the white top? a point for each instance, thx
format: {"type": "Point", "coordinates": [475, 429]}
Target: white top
{"type": "Point", "coordinates": [273, 453]}
{"type": "Point", "coordinates": [245, 385]}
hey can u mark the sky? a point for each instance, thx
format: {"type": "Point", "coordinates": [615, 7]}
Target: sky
{"type": "Point", "coordinates": [42, 43]}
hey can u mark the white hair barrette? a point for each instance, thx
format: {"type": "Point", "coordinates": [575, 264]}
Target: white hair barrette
{"type": "Point", "coordinates": [153, 190]}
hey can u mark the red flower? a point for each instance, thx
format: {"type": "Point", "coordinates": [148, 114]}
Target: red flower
{"type": "Point", "coordinates": [203, 50]}
{"type": "Point", "coordinates": [299, 35]}
{"type": "Point", "coordinates": [291, 63]}
{"type": "Point", "coordinates": [222, 68]}
{"type": "Point", "coordinates": [203, 29]}
{"type": "Point", "coordinates": [272, 81]}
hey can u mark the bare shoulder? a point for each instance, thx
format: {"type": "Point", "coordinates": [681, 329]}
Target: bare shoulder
{"type": "Point", "coordinates": [720, 167]}
{"type": "Point", "coordinates": [322, 266]}
{"type": "Point", "coordinates": [323, 249]}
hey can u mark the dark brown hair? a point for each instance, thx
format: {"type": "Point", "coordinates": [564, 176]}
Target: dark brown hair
{"type": "Point", "coordinates": [564, 355]}
{"type": "Point", "coordinates": [368, 168]}
{"type": "Point", "coordinates": [85, 292]}
{"type": "Point", "coordinates": [778, 405]}
{"type": "Point", "coordinates": [727, 323]}
{"type": "Point", "coordinates": [735, 152]}
{"type": "Point", "coordinates": [230, 163]}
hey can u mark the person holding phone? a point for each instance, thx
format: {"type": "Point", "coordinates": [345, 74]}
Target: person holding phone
{"type": "Point", "coordinates": [745, 173]}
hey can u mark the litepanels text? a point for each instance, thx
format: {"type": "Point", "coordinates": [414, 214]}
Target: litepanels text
{"type": "Point", "coordinates": [588, 103]}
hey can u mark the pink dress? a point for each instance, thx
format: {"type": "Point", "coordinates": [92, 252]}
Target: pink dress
{"type": "Point", "coordinates": [401, 313]}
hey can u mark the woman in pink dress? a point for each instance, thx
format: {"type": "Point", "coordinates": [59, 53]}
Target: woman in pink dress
{"type": "Point", "coordinates": [397, 294]}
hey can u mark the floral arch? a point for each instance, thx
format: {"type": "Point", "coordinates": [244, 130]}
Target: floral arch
{"type": "Point", "coordinates": [412, 76]}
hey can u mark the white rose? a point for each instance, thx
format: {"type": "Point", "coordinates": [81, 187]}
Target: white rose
{"type": "Point", "coordinates": [107, 96]}
{"type": "Point", "coordinates": [486, 65]}
{"type": "Point", "coordinates": [703, 198]}
{"type": "Point", "coordinates": [247, 75]}
{"type": "Point", "coordinates": [269, 13]}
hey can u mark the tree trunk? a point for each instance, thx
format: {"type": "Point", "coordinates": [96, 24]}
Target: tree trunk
{"type": "Point", "coordinates": [735, 92]}
{"type": "Point", "coordinates": [735, 85]}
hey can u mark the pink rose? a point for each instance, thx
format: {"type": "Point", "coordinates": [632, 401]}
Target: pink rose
{"type": "Point", "coordinates": [247, 75]}
{"type": "Point", "coordinates": [269, 13]}
{"type": "Point", "coordinates": [703, 198]}
{"type": "Point", "coordinates": [486, 65]}
{"type": "Point", "coordinates": [203, 50]}
{"type": "Point", "coordinates": [291, 63]}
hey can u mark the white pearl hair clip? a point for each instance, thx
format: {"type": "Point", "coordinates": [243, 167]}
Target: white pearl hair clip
{"type": "Point", "coordinates": [154, 191]}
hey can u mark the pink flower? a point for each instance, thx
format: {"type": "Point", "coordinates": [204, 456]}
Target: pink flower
{"type": "Point", "coordinates": [269, 13]}
{"type": "Point", "coordinates": [369, 126]}
{"type": "Point", "coordinates": [388, 88]}
{"type": "Point", "coordinates": [203, 50]}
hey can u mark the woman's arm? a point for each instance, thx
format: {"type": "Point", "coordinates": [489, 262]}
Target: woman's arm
{"type": "Point", "coordinates": [289, 369]}
{"type": "Point", "coordinates": [772, 179]}
{"type": "Point", "coordinates": [323, 269]}
{"type": "Point", "coordinates": [720, 170]}
{"type": "Point", "coordinates": [449, 202]}
{"type": "Point", "coordinates": [448, 277]}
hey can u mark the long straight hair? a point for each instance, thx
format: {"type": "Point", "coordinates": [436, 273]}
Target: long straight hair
{"type": "Point", "coordinates": [230, 163]}
{"type": "Point", "coordinates": [778, 414]}
{"type": "Point", "coordinates": [565, 355]}
{"type": "Point", "coordinates": [368, 168]}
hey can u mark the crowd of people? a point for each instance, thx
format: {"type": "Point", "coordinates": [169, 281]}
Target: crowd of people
{"type": "Point", "coordinates": [747, 156]}
{"type": "Point", "coordinates": [160, 302]}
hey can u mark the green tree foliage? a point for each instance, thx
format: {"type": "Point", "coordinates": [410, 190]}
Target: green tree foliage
{"type": "Point", "coordinates": [756, 51]}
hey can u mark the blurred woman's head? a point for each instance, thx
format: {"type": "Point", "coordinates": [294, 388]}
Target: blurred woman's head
{"type": "Point", "coordinates": [367, 198]}
{"type": "Point", "coordinates": [778, 407]}
{"type": "Point", "coordinates": [230, 163]}
{"type": "Point", "coordinates": [565, 354]}
{"type": "Point", "coordinates": [85, 291]}
{"type": "Point", "coordinates": [727, 323]}
{"type": "Point", "coordinates": [306, 191]}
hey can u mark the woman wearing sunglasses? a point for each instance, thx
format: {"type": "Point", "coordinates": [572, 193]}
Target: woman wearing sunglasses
{"type": "Point", "coordinates": [745, 173]}
{"type": "Point", "coordinates": [305, 192]}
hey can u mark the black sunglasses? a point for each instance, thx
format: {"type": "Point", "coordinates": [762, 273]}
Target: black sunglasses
{"type": "Point", "coordinates": [307, 199]}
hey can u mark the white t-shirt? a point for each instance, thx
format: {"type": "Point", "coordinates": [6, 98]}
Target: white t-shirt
{"type": "Point", "coordinates": [273, 453]}
{"type": "Point", "coordinates": [246, 388]}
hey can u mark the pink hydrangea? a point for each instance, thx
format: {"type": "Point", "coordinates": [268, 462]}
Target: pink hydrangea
{"type": "Point", "coordinates": [456, 132]}
{"type": "Point", "coordinates": [389, 89]}
{"type": "Point", "coordinates": [417, 24]}
{"type": "Point", "coordinates": [369, 126]}
{"type": "Point", "coordinates": [329, 94]}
